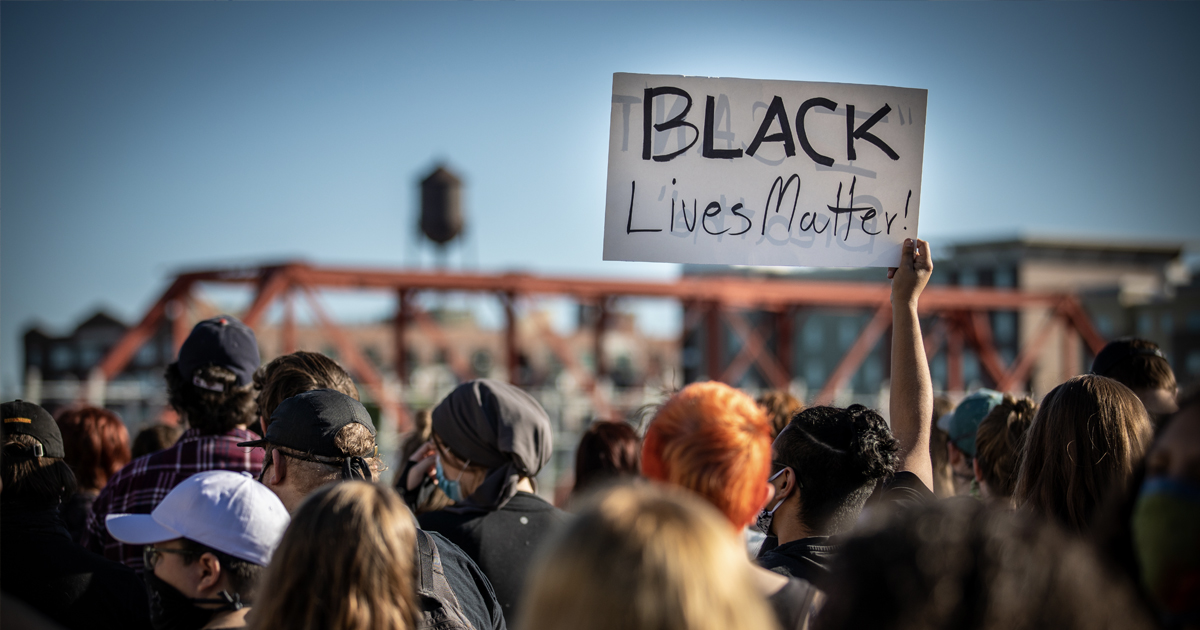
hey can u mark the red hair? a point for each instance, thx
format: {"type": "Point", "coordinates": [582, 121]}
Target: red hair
{"type": "Point", "coordinates": [96, 444]}
{"type": "Point", "coordinates": [715, 441]}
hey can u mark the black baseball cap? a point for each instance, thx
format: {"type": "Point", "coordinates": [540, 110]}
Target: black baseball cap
{"type": "Point", "coordinates": [310, 422]}
{"type": "Point", "coordinates": [222, 341]}
{"type": "Point", "coordinates": [26, 418]}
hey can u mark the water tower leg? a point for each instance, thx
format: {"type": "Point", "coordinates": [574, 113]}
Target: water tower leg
{"type": "Point", "coordinates": [403, 315]}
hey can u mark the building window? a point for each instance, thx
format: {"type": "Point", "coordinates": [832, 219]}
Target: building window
{"type": "Point", "coordinates": [814, 373]}
{"type": "Point", "coordinates": [847, 332]}
{"type": "Point", "coordinates": [1004, 327]}
{"type": "Point", "coordinates": [872, 374]}
{"type": "Point", "coordinates": [61, 358]}
{"type": "Point", "coordinates": [90, 354]}
{"type": "Point", "coordinates": [146, 355]}
{"type": "Point", "coordinates": [970, 370]}
{"type": "Point", "coordinates": [813, 335]}
{"type": "Point", "coordinates": [1005, 277]}
{"type": "Point", "coordinates": [968, 278]}
{"type": "Point", "coordinates": [1193, 321]}
{"type": "Point", "coordinates": [1193, 363]}
{"type": "Point", "coordinates": [1145, 325]}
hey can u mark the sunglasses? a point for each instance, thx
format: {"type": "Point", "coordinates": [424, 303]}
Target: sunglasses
{"type": "Point", "coordinates": [151, 554]}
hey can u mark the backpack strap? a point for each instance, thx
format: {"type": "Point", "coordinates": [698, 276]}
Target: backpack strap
{"type": "Point", "coordinates": [427, 556]}
{"type": "Point", "coordinates": [434, 586]}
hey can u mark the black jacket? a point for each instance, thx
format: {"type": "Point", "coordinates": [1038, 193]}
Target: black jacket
{"type": "Point", "coordinates": [44, 568]}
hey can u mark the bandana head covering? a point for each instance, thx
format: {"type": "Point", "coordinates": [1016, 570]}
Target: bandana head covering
{"type": "Point", "coordinates": [499, 427]}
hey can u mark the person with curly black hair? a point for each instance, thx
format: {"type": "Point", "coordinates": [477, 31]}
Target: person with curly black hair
{"type": "Point", "coordinates": [211, 387]}
{"type": "Point", "coordinates": [828, 461]}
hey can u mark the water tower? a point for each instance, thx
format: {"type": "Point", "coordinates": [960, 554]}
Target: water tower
{"type": "Point", "coordinates": [442, 222]}
{"type": "Point", "coordinates": [441, 206]}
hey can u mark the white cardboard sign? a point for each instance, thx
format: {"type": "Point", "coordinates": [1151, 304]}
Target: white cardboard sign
{"type": "Point", "coordinates": [746, 172]}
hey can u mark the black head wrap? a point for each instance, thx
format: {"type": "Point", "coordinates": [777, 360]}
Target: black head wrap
{"type": "Point", "coordinates": [499, 427]}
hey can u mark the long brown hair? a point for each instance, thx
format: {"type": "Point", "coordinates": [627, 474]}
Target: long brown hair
{"type": "Point", "coordinates": [345, 563]}
{"type": "Point", "coordinates": [96, 443]}
{"type": "Point", "coordinates": [1084, 442]}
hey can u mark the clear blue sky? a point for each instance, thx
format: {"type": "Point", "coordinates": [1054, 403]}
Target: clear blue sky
{"type": "Point", "coordinates": [140, 138]}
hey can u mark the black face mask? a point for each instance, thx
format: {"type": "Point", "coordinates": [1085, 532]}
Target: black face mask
{"type": "Point", "coordinates": [172, 610]}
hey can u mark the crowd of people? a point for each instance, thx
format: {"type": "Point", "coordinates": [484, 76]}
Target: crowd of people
{"type": "Point", "coordinates": [1081, 510]}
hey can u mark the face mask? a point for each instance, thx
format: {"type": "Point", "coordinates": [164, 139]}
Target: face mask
{"type": "Point", "coordinates": [1166, 539]}
{"type": "Point", "coordinates": [172, 610]}
{"type": "Point", "coordinates": [764, 516]}
{"type": "Point", "coordinates": [451, 488]}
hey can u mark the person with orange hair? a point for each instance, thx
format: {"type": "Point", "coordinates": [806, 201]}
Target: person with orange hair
{"type": "Point", "coordinates": [716, 441]}
{"type": "Point", "coordinates": [97, 446]}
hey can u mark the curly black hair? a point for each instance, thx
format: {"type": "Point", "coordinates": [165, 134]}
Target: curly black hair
{"type": "Point", "coordinates": [212, 412]}
{"type": "Point", "coordinates": [838, 456]}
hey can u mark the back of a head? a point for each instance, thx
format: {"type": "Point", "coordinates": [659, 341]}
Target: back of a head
{"type": "Point", "coordinates": [607, 450]}
{"type": "Point", "coordinates": [1083, 444]}
{"type": "Point", "coordinates": [838, 455]}
{"type": "Point", "coordinates": [296, 373]}
{"type": "Point", "coordinates": [780, 407]}
{"type": "Point", "coordinates": [34, 473]}
{"type": "Point", "coordinates": [30, 481]}
{"type": "Point", "coordinates": [326, 435]}
{"type": "Point", "coordinates": [999, 440]}
{"type": "Point", "coordinates": [642, 557]}
{"type": "Point", "coordinates": [155, 438]}
{"type": "Point", "coordinates": [1135, 363]}
{"type": "Point", "coordinates": [346, 561]}
{"type": "Point", "coordinates": [715, 441]}
{"type": "Point", "coordinates": [211, 411]}
{"type": "Point", "coordinates": [96, 443]}
{"type": "Point", "coordinates": [211, 384]}
{"type": "Point", "coordinates": [956, 564]}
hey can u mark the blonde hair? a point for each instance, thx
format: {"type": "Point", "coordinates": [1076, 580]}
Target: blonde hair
{"type": "Point", "coordinates": [345, 563]}
{"type": "Point", "coordinates": [644, 557]}
{"type": "Point", "coordinates": [1084, 441]}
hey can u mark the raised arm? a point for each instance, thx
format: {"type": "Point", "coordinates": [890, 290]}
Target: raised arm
{"type": "Point", "coordinates": [912, 388]}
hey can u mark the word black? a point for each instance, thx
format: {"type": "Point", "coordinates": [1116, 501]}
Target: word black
{"type": "Point", "coordinates": [776, 114]}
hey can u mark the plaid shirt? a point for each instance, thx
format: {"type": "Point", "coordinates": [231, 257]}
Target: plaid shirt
{"type": "Point", "coordinates": [141, 484]}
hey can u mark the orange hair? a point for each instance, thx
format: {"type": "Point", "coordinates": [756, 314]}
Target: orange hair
{"type": "Point", "coordinates": [96, 444]}
{"type": "Point", "coordinates": [715, 441]}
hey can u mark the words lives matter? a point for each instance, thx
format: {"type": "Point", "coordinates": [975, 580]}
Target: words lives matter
{"type": "Point", "coordinates": [775, 127]}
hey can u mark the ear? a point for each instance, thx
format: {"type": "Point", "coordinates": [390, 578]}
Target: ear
{"type": "Point", "coordinates": [977, 469]}
{"type": "Point", "coordinates": [278, 468]}
{"type": "Point", "coordinates": [789, 483]}
{"type": "Point", "coordinates": [210, 573]}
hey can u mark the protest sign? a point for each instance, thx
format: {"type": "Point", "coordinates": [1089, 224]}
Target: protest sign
{"type": "Point", "coordinates": [738, 171]}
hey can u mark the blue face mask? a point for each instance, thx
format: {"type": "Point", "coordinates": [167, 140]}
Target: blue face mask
{"type": "Point", "coordinates": [450, 487]}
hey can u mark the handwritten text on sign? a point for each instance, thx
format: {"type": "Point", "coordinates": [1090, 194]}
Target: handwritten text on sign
{"type": "Point", "coordinates": [737, 171]}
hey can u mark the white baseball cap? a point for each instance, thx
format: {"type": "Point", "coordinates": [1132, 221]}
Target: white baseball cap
{"type": "Point", "coordinates": [221, 509]}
